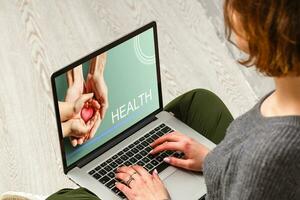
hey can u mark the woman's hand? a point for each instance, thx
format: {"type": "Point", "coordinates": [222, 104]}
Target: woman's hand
{"type": "Point", "coordinates": [194, 152]}
{"type": "Point", "coordinates": [140, 184]}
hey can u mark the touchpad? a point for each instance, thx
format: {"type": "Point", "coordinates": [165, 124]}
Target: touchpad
{"type": "Point", "coordinates": [185, 185]}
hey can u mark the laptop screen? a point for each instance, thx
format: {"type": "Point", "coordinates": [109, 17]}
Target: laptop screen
{"type": "Point", "coordinates": [107, 94]}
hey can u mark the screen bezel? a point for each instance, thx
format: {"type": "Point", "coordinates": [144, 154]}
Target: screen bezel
{"type": "Point", "coordinates": [129, 131]}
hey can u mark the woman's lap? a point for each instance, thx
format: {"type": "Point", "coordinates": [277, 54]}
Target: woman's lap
{"type": "Point", "coordinates": [203, 111]}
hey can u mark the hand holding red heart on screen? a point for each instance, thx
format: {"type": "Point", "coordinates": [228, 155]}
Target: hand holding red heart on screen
{"type": "Point", "coordinates": [91, 112]}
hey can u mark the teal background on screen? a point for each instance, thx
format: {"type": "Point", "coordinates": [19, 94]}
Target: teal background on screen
{"type": "Point", "coordinates": [126, 76]}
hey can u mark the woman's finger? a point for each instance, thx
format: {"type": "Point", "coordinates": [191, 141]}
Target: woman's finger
{"type": "Point", "coordinates": [178, 162]}
{"type": "Point", "coordinates": [173, 146]}
{"type": "Point", "coordinates": [141, 171]}
{"type": "Point", "coordinates": [170, 137]}
{"type": "Point", "coordinates": [125, 189]}
{"type": "Point", "coordinates": [124, 177]}
{"type": "Point", "coordinates": [126, 169]}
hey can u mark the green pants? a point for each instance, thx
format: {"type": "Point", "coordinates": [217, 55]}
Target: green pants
{"type": "Point", "coordinates": [200, 109]}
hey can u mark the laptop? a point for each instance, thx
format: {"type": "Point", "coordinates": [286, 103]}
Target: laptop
{"type": "Point", "coordinates": [133, 119]}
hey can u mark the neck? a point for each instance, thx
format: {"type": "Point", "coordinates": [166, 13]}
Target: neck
{"type": "Point", "coordinates": [286, 98]}
{"type": "Point", "coordinates": [287, 89]}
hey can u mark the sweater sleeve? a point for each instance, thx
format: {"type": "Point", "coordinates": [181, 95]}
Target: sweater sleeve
{"type": "Point", "coordinates": [269, 170]}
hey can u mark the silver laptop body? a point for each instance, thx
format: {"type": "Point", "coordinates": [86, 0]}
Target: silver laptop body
{"type": "Point", "coordinates": [181, 184]}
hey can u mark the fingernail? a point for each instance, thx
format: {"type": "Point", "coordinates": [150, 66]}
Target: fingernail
{"type": "Point", "coordinates": [155, 171]}
{"type": "Point", "coordinates": [167, 160]}
{"type": "Point", "coordinates": [151, 151]}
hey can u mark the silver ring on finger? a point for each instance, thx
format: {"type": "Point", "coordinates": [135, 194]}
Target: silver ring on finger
{"type": "Point", "coordinates": [129, 181]}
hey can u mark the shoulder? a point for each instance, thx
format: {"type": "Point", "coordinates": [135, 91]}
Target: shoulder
{"type": "Point", "coordinates": [273, 148]}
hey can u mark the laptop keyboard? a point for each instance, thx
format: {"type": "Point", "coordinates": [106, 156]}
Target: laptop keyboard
{"type": "Point", "coordinates": [136, 153]}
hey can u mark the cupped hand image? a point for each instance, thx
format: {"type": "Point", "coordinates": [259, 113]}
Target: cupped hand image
{"type": "Point", "coordinates": [74, 124]}
{"type": "Point", "coordinates": [91, 112]}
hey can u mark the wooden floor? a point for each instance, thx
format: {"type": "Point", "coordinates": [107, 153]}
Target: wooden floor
{"type": "Point", "coordinates": [38, 37]}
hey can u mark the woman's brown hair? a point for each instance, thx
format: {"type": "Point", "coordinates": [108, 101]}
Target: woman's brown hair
{"type": "Point", "coordinates": [272, 30]}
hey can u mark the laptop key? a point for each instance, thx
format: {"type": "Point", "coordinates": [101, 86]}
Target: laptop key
{"type": "Point", "coordinates": [102, 172]}
{"type": "Point", "coordinates": [140, 163]}
{"type": "Point", "coordinates": [131, 146]}
{"type": "Point", "coordinates": [125, 149]}
{"type": "Point", "coordinates": [166, 129]}
{"type": "Point", "coordinates": [140, 147]}
{"type": "Point", "coordinates": [135, 150]}
{"type": "Point", "coordinates": [110, 184]}
{"type": "Point", "coordinates": [138, 156]}
{"type": "Point", "coordinates": [115, 190]}
{"type": "Point", "coordinates": [145, 144]}
{"type": "Point", "coordinates": [124, 157]}
{"type": "Point", "coordinates": [162, 125]}
{"type": "Point", "coordinates": [143, 153]}
{"type": "Point", "coordinates": [148, 149]}
{"type": "Point", "coordinates": [133, 160]}
{"type": "Point", "coordinates": [154, 137]}
{"type": "Point", "coordinates": [104, 179]}
{"type": "Point", "coordinates": [108, 168]}
{"type": "Point", "coordinates": [159, 158]}
{"type": "Point", "coordinates": [129, 154]}
{"type": "Point", "coordinates": [145, 159]}
{"type": "Point", "coordinates": [163, 155]}
{"type": "Point", "coordinates": [148, 135]}
{"type": "Point", "coordinates": [149, 166]}
{"type": "Point", "coordinates": [111, 174]}
{"type": "Point", "coordinates": [119, 161]}
{"type": "Point", "coordinates": [142, 138]}
{"type": "Point", "coordinates": [109, 160]}
{"type": "Point", "coordinates": [113, 164]}
{"type": "Point", "coordinates": [150, 156]}
{"type": "Point", "coordinates": [120, 153]}
{"type": "Point", "coordinates": [97, 168]}
{"type": "Point", "coordinates": [154, 162]}
{"type": "Point", "coordinates": [120, 194]}
{"type": "Point", "coordinates": [97, 176]}
{"type": "Point", "coordinates": [160, 133]}
{"type": "Point", "coordinates": [150, 140]}
{"type": "Point", "coordinates": [103, 164]}
{"type": "Point", "coordinates": [161, 167]}
{"type": "Point", "coordinates": [127, 163]}
{"type": "Point", "coordinates": [92, 172]}
{"type": "Point", "coordinates": [157, 129]}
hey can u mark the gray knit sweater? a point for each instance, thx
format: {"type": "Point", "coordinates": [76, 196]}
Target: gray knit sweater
{"type": "Point", "coordinates": [259, 159]}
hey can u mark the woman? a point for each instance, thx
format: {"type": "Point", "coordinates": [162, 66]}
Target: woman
{"type": "Point", "coordinates": [260, 156]}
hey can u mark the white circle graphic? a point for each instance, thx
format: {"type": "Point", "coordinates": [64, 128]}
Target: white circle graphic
{"type": "Point", "coordinates": [142, 57]}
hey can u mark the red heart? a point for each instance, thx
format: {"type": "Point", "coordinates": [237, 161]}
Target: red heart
{"type": "Point", "coordinates": [87, 113]}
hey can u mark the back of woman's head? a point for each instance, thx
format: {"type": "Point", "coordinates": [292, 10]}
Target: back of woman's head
{"type": "Point", "coordinates": [272, 31]}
